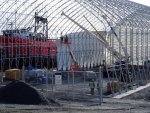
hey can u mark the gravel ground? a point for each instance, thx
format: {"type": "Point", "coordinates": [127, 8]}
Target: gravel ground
{"type": "Point", "coordinates": [143, 95]}
{"type": "Point", "coordinates": [113, 106]}
{"type": "Point", "coordinates": [108, 106]}
{"type": "Point", "coordinates": [135, 103]}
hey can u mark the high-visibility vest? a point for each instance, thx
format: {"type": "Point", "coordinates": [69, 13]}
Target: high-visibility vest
{"type": "Point", "coordinates": [92, 85]}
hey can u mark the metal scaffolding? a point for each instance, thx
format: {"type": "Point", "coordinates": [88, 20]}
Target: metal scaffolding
{"type": "Point", "coordinates": [115, 20]}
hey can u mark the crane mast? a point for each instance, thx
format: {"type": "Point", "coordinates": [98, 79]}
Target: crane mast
{"type": "Point", "coordinates": [123, 48]}
{"type": "Point", "coordinates": [99, 37]}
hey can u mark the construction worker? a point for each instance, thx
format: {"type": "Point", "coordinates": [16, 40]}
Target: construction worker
{"type": "Point", "coordinates": [92, 86]}
{"type": "Point", "coordinates": [62, 39]}
{"type": "Point", "coordinates": [66, 39]}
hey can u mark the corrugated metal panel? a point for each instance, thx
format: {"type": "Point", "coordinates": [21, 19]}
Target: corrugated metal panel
{"type": "Point", "coordinates": [87, 51]}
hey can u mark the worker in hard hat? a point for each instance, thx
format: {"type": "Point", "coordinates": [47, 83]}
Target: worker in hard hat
{"type": "Point", "coordinates": [66, 39]}
{"type": "Point", "coordinates": [92, 86]}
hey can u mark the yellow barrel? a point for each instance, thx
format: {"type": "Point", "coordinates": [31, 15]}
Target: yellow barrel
{"type": "Point", "coordinates": [13, 74]}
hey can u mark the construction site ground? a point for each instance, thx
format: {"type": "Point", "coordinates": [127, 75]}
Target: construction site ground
{"type": "Point", "coordinates": [135, 103]}
{"type": "Point", "coordinates": [108, 106]}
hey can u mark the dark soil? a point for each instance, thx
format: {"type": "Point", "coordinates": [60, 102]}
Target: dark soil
{"type": "Point", "coordinates": [18, 92]}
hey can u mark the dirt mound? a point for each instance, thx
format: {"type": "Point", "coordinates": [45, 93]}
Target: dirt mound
{"type": "Point", "coordinates": [147, 96]}
{"type": "Point", "coordinates": [18, 92]}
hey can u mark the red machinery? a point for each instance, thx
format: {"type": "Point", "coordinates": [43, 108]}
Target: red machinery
{"type": "Point", "coordinates": [15, 46]}
{"type": "Point", "coordinates": [22, 45]}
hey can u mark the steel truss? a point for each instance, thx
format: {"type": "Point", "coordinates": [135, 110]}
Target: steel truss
{"type": "Point", "coordinates": [130, 21]}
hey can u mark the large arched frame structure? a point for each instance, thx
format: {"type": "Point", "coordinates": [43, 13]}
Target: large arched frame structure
{"type": "Point", "coordinates": [129, 20]}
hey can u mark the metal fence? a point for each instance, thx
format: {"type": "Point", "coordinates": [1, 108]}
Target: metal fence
{"type": "Point", "coordinates": [70, 86]}
{"type": "Point", "coordinates": [74, 86]}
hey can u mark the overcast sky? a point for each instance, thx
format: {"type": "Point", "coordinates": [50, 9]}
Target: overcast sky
{"type": "Point", "coordinates": [145, 2]}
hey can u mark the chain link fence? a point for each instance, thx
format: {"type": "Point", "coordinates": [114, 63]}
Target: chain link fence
{"type": "Point", "coordinates": [85, 86]}
{"type": "Point", "coordinates": [91, 86]}
{"type": "Point", "coordinates": [68, 86]}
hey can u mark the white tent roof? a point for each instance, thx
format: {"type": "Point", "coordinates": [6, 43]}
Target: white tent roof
{"type": "Point", "coordinates": [21, 14]}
